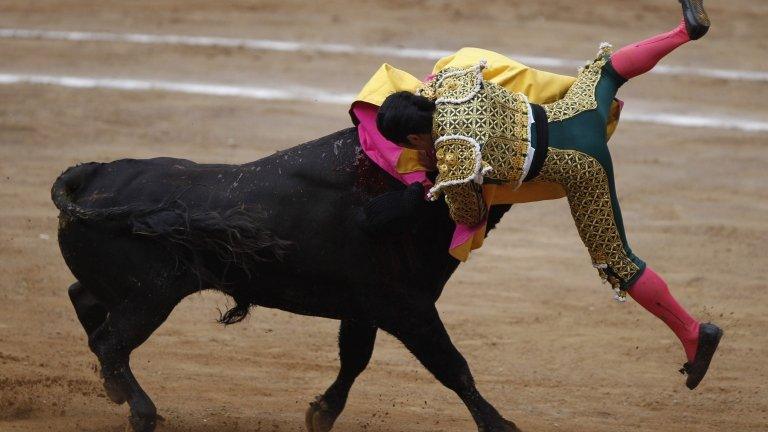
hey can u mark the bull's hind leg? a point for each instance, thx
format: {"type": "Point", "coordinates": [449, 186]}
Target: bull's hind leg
{"type": "Point", "coordinates": [127, 326]}
{"type": "Point", "coordinates": [90, 311]}
{"type": "Point", "coordinates": [423, 333]}
{"type": "Point", "coordinates": [356, 340]}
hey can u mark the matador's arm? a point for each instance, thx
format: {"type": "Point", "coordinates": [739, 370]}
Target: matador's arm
{"type": "Point", "coordinates": [465, 203]}
{"type": "Point", "coordinates": [459, 165]}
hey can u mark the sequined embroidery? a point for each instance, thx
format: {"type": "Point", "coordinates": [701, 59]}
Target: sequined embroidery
{"type": "Point", "coordinates": [475, 111]}
{"type": "Point", "coordinates": [455, 86]}
{"type": "Point", "coordinates": [465, 203]}
{"type": "Point", "coordinates": [581, 96]}
{"type": "Point", "coordinates": [427, 90]}
{"type": "Point", "coordinates": [465, 160]}
{"type": "Point", "coordinates": [506, 156]}
{"type": "Point", "coordinates": [587, 187]}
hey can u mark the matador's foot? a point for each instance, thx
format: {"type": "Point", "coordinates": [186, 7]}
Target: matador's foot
{"type": "Point", "coordinates": [696, 18]}
{"type": "Point", "coordinates": [709, 339]}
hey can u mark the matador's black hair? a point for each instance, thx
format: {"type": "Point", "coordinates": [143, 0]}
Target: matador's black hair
{"type": "Point", "coordinates": [404, 113]}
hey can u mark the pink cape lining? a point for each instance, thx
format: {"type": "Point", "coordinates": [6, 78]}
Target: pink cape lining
{"type": "Point", "coordinates": [386, 154]}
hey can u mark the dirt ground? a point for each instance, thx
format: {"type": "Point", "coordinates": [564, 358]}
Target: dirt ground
{"type": "Point", "coordinates": [547, 345]}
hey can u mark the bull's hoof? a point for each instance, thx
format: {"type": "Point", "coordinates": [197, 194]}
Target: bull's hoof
{"type": "Point", "coordinates": [320, 417]}
{"type": "Point", "coordinates": [114, 393]}
{"type": "Point", "coordinates": [505, 426]}
{"type": "Point", "coordinates": [143, 423]}
{"type": "Point", "coordinates": [511, 427]}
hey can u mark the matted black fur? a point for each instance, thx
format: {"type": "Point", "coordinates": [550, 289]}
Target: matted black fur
{"type": "Point", "coordinates": [282, 232]}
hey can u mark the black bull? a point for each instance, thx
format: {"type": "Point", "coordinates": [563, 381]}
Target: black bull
{"type": "Point", "coordinates": [282, 232]}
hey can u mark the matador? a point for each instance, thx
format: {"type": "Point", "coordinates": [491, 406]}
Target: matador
{"type": "Point", "coordinates": [480, 133]}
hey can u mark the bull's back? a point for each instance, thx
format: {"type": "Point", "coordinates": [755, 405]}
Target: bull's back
{"type": "Point", "coordinates": [306, 194]}
{"type": "Point", "coordinates": [128, 182]}
{"type": "Point", "coordinates": [301, 173]}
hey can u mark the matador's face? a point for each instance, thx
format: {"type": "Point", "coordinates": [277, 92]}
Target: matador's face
{"type": "Point", "coordinates": [423, 141]}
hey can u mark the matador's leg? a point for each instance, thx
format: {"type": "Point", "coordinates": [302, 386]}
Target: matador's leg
{"type": "Point", "coordinates": [639, 58]}
{"type": "Point", "coordinates": [595, 210]}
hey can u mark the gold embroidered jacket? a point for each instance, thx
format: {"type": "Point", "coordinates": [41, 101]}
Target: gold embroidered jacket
{"type": "Point", "coordinates": [481, 131]}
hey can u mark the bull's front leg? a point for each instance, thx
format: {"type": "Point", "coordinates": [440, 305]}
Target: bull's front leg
{"type": "Point", "coordinates": [356, 340]}
{"type": "Point", "coordinates": [423, 333]}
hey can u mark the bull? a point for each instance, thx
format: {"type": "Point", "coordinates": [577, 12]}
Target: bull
{"type": "Point", "coordinates": [286, 232]}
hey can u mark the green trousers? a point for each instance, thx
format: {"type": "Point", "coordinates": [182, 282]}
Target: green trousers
{"type": "Point", "coordinates": [579, 161]}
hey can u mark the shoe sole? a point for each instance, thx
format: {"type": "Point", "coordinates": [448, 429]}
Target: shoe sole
{"type": "Point", "coordinates": [708, 353]}
{"type": "Point", "coordinates": [701, 15]}
{"type": "Point", "coordinates": [696, 18]}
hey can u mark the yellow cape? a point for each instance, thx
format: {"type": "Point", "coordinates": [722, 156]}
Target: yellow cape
{"type": "Point", "coordinates": [539, 86]}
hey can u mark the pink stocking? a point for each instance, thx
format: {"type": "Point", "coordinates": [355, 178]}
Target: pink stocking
{"type": "Point", "coordinates": [639, 58]}
{"type": "Point", "coordinates": [652, 293]}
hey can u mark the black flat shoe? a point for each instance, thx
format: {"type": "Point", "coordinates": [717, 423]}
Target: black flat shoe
{"type": "Point", "coordinates": [709, 339]}
{"type": "Point", "coordinates": [696, 18]}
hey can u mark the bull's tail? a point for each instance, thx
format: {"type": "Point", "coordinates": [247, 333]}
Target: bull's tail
{"type": "Point", "coordinates": [235, 237]}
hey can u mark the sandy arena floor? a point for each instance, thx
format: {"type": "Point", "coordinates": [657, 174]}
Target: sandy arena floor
{"type": "Point", "coordinates": [547, 345]}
